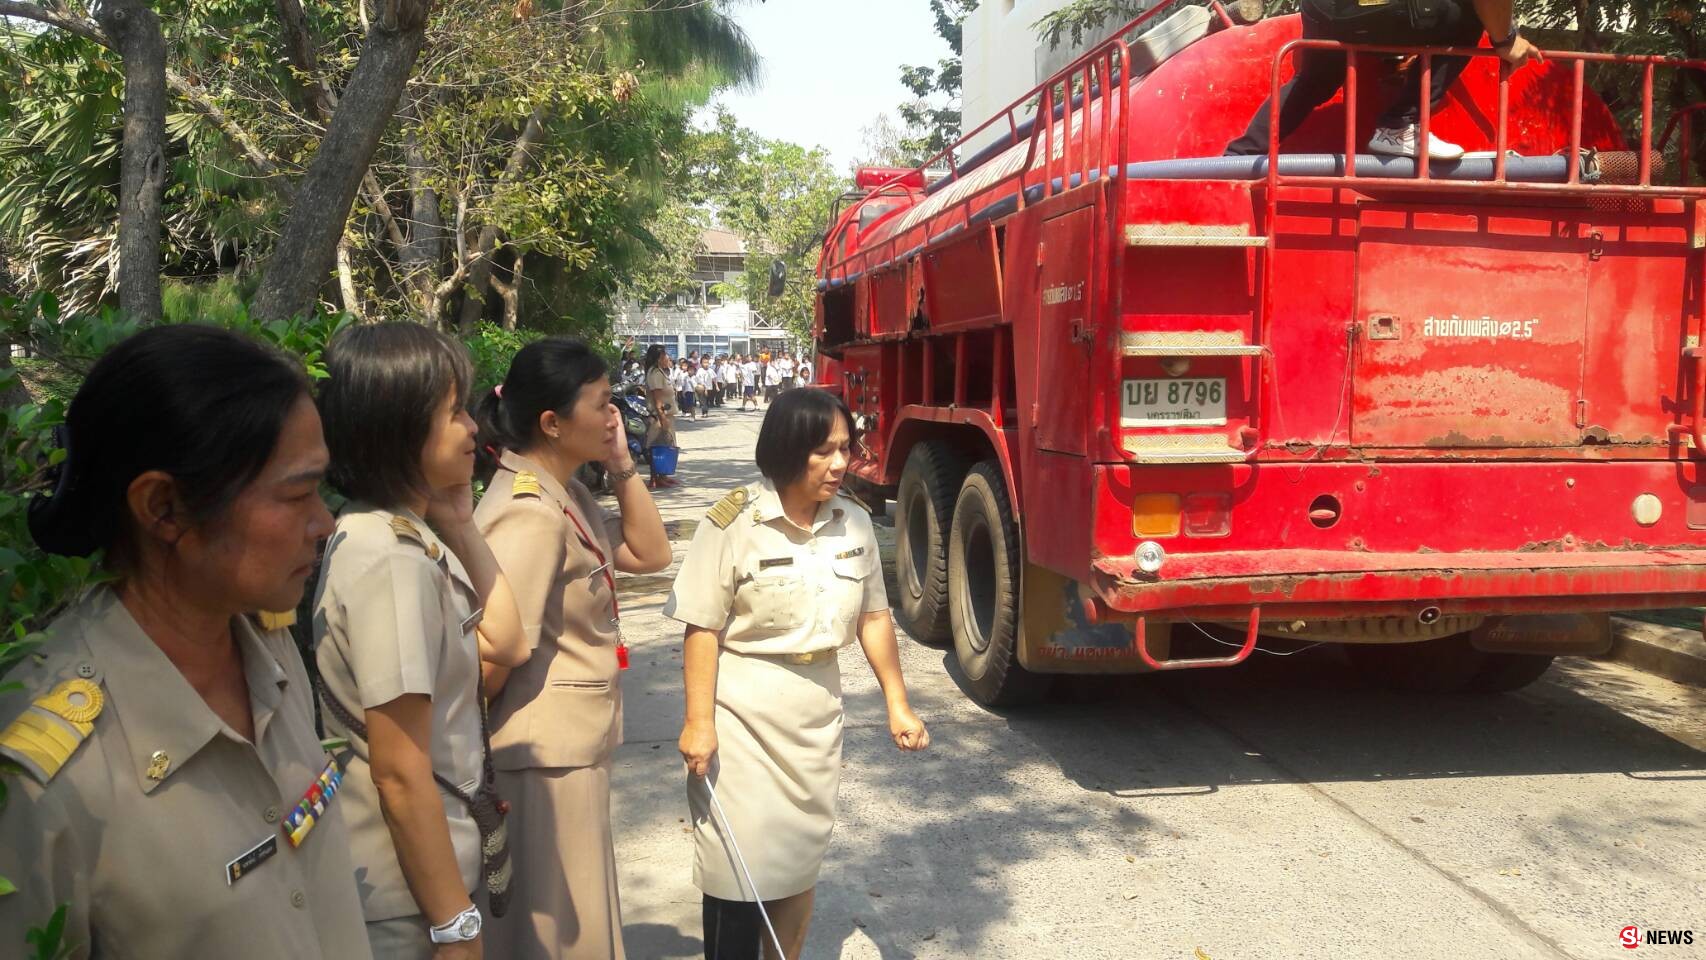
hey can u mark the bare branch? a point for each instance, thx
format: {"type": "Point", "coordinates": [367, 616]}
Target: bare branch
{"type": "Point", "coordinates": [56, 16]}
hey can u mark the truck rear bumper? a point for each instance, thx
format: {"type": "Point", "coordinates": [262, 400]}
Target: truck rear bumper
{"type": "Point", "coordinates": [1333, 584]}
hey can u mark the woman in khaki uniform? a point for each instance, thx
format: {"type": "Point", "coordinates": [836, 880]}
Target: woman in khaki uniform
{"type": "Point", "coordinates": [780, 576]}
{"type": "Point", "coordinates": [660, 397]}
{"type": "Point", "coordinates": [174, 796]}
{"type": "Point", "coordinates": [558, 717]}
{"type": "Point", "coordinates": [411, 601]}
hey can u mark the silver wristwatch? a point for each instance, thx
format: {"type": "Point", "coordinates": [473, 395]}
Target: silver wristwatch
{"type": "Point", "coordinates": [458, 929]}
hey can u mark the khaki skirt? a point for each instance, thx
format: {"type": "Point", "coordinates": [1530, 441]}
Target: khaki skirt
{"type": "Point", "coordinates": [777, 771]}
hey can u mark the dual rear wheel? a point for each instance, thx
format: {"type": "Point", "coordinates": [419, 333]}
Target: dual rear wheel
{"type": "Point", "coordinates": [958, 559]}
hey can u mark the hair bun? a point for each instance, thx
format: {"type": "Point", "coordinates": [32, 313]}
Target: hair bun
{"type": "Point", "coordinates": [59, 524]}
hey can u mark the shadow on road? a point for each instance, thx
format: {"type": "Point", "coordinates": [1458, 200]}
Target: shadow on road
{"type": "Point", "coordinates": [1331, 727]}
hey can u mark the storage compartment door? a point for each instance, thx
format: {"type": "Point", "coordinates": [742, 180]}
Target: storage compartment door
{"type": "Point", "coordinates": [1472, 327]}
{"type": "Point", "coordinates": [1063, 355]}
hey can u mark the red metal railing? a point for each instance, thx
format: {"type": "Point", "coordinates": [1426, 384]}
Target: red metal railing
{"type": "Point", "coordinates": [1422, 181]}
{"type": "Point", "coordinates": [1101, 77]}
{"type": "Point", "coordinates": [1573, 183]}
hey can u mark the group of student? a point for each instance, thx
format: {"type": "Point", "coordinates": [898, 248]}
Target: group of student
{"type": "Point", "coordinates": [438, 786]}
{"type": "Point", "coordinates": [702, 382]}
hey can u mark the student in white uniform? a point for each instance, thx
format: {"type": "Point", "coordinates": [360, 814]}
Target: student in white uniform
{"type": "Point", "coordinates": [749, 382]}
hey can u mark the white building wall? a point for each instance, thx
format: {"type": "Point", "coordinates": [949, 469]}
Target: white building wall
{"type": "Point", "coordinates": [1004, 59]}
{"type": "Point", "coordinates": [682, 329]}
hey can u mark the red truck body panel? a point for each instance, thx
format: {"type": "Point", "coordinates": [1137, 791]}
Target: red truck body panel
{"type": "Point", "coordinates": [1468, 399]}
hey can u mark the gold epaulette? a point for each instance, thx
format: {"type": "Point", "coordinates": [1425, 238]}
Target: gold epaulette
{"type": "Point", "coordinates": [268, 620]}
{"type": "Point", "coordinates": [526, 484]}
{"type": "Point", "coordinates": [728, 508]}
{"type": "Point", "coordinates": [45, 736]}
{"type": "Point", "coordinates": [405, 529]}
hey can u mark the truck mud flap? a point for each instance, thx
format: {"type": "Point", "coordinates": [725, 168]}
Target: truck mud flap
{"type": "Point", "coordinates": [1056, 635]}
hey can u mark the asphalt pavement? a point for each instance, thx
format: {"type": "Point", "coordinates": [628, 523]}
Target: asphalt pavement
{"type": "Point", "coordinates": [1276, 810]}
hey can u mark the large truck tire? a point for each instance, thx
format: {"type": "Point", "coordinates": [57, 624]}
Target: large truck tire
{"type": "Point", "coordinates": [924, 513]}
{"type": "Point", "coordinates": [1446, 665]}
{"type": "Point", "coordinates": [983, 597]}
{"type": "Point", "coordinates": [1504, 672]}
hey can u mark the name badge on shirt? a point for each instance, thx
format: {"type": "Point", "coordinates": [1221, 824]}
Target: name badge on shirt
{"type": "Point", "coordinates": [473, 620]}
{"type": "Point", "coordinates": [778, 562]}
{"type": "Point", "coordinates": [250, 859]}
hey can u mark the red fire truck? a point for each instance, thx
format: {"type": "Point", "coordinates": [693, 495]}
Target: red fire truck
{"type": "Point", "coordinates": [1129, 394]}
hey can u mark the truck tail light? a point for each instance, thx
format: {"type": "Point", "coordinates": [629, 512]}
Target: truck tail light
{"type": "Point", "coordinates": [1208, 515]}
{"type": "Point", "coordinates": [1155, 515]}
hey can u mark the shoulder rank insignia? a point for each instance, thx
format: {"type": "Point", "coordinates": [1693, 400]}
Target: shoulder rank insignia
{"type": "Point", "coordinates": [405, 529]}
{"type": "Point", "coordinates": [526, 484]}
{"type": "Point", "coordinates": [54, 726]}
{"type": "Point", "coordinates": [268, 620]}
{"type": "Point", "coordinates": [728, 508]}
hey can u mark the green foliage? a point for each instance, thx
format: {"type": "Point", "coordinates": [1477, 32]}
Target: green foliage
{"type": "Point", "coordinates": [48, 943]}
{"type": "Point", "coordinates": [1080, 18]}
{"type": "Point", "coordinates": [33, 585]}
{"type": "Point", "coordinates": [492, 348]}
{"type": "Point", "coordinates": [776, 195]}
{"type": "Point", "coordinates": [932, 118]}
{"type": "Point", "coordinates": [616, 83]}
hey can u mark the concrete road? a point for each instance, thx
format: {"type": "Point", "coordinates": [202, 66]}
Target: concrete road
{"type": "Point", "coordinates": [1278, 810]}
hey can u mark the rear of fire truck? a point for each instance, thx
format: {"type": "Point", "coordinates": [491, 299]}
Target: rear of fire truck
{"type": "Point", "coordinates": [1447, 414]}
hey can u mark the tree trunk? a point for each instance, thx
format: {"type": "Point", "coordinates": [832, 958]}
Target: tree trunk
{"type": "Point", "coordinates": [306, 248]}
{"type": "Point", "coordinates": [1587, 25]}
{"type": "Point", "coordinates": [480, 272]}
{"type": "Point", "coordinates": [420, 259]}
{"type": "Point", "coordinates": [346, 281]}
{"type": "Point", "coordinates": [135, 31]}
{"type": "Point", "coordinates": [511, 292]}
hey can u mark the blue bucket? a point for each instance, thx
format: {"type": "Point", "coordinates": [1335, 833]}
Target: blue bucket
{"type": "Point", "coordinates": [663, 460]}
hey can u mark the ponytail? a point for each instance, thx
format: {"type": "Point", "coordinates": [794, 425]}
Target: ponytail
{"type": "Point", "coordinates": [545, 375]}
{"type": "Point", "coordinates": [494, 437]}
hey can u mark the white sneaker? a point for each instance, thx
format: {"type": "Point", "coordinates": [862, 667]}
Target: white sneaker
{"type": "Point", "coordinates": [1401, 142]}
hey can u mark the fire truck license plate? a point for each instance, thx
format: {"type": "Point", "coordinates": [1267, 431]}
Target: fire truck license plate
{"type": "Point", "coordinates": [1174, 403]}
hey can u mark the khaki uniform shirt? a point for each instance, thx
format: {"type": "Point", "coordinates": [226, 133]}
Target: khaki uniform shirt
{"type": "Point", "coordinates": [563, 707]}
{"type": "Point", "coordinates": [156, 796]}
{"type": "Point", "coordinates": [773, 588]}
{"type": "Point", "coordinates": [657, 379]}
{"type": "Point", "coordinates": [395, 615]}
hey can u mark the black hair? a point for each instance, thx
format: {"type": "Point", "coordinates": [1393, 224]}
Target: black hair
{"type": "Point", "coordinates": [544, 375]}
{"type": "Point", "coordinates": [654, 354]}
{"type": "Point", "coordinates": [384, 382]}
{"type": "Point", "coordinates": [798, 422]}
{"type": "Point", "coordinates": [198, 403]}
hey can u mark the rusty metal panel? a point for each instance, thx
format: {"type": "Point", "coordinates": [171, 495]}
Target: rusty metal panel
{"type": "Point", "coordinates": [1064, 334]}
{"type": "Point", "coordinates": [1641, 273]}
{"type": "Point", "coordinates": [1472, 323]}
{"type": "Point", "coordinates": [962, 282]}
{"type": "Point", "coordinates": [891, 311]}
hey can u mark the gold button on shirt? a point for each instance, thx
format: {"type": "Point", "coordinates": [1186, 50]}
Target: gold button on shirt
{"type": "Point", "coordinates": [773, 588]}
{"type": "Point", "coordinates": [137, 827]}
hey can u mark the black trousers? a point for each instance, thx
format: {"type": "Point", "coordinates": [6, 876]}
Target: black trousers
{"type": "Point", "coordinates": [734, 930]}
{"type": "Point", "coordinates": [1320, 73]}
